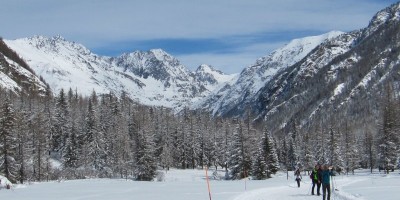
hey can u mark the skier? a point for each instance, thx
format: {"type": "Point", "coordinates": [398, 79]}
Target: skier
{"type": "Point", "coordinates": [326, 181]}
{"type": "Point", "coordinates": [298, 176]}
{"type": "Point", "coordinates": [316, 179]}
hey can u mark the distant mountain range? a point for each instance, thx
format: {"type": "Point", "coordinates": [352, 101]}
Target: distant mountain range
{"type": "Point", "coordinates": [152, 78]}
{"type": "Point", "coordinates": [333, 72]}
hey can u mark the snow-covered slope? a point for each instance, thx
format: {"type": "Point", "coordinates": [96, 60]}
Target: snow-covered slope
{"type": "Point", "coordinates": [344, 76]}
{"type": "Point", "coordinates": [235, 94]}
{"type": "Point", "coordinates": [15, 75]}
{"type": "Point", "coordinates": [153, 77]}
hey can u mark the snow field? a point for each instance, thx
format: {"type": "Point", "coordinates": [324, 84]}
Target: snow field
{"type": "Point", "coordinates": [191, 185]}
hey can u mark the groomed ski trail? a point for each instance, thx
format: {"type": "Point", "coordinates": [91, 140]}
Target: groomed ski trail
{"type": "Point", "coordinates": [292, 192]}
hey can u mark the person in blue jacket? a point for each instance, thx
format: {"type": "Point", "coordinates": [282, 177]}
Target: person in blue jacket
{"type": "Point", "coordinates": [326, 174]}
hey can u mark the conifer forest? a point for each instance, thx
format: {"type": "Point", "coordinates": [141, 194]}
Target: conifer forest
{"type": "Point", "coordinates": [67, 136]}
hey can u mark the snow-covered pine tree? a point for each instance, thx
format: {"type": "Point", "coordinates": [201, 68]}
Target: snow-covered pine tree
{"type": "Point", "coordinates": [259, 167]}
{"type": "Point", "coordinates": [388, 141]}
{"type": "Point", "coordinates": [40, 156]}
{"type": "Point", "coordinates": [208, 146]}
{"type": "Point", "coordinates": [236, 161]}
{"type": "Point", "coordinates": [271, 158]}
{"type": "Point", "coordinates": [115, 139]}
{"type": "Point", "coordinates": [350, 151]}
{"type": "Point", "coordinates": [93, 141]}
{"type": "Point", "coordinates": [220, 143]}
{"type": "Point", "coordinates": [133, 132]}
{"type": "Point", "coordinates": [145, 165]}
{"type": "Point", "coordinates": [23, 139]}
{"type": "Point", "coordinates": [70, 153]}
{"type": "Point", "coordinates": [320, 145]}
{"type": "Point", "coordinates": [334, 152]}
{"type": "Point", "coordinates": [308, 156]}
{"type": "Point", "coordinates": [239, 161]}
{"type": "Point", "coordinates": [60, 129]}
{"type": "Point", "coordinates": [369, 150]}
{"type": "Point", "coordinates": [8, 142]}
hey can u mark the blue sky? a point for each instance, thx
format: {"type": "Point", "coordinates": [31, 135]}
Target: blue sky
{"type": "Point", "coordinates": [228, 34]}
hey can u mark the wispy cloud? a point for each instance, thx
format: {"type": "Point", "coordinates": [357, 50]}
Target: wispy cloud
{"type": "Point", "coordinates": [185, 28]}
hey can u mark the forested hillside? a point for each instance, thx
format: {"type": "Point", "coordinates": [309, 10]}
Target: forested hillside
{"type": "Point", "coordinates": [70, 136]}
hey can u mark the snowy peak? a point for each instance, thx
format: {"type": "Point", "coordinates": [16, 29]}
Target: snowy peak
{"type": "Point", "coordinates": [208, 73]}
{"type": "Point", "coordinates": [386, 15]}
{"type": "Point", "coordinates": [253, 78]}
{"type": "Point", "coordinates": [295, 50]}
{"type": "Point", "coordinates": [155, 63]}
{"type": "Point", "coordinates": [151, 77]}
{"type": "Point", "coordinates": [54, 44]}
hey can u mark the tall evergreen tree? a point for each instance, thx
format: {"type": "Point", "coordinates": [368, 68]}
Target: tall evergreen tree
{"type": "Point", "coordinates": [145, 166]}
{"type": "Point", "coordinates": [388, 139]}
{"type": "Point", "coordinates": [41, 159]}
{"type": "Point", "coordinates": [334, 153]}
{"type": "Point", "coordinates": [240, 160]}
{"type": "Point", "coordinates": [269, 152]}
{"type": "Point", "coordinates": [93, 141]}
{"type": "Point", "coordinates": [8, 139]}
{"type": "Point", "coordinates": [61, 124]}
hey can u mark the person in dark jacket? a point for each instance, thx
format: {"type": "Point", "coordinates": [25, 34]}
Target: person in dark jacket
{"type": "Point", "coordinates": [298, 176]}
{"type": "Point", "coordinates": [326, 174]}
{"type": "Point", "coordinates": [316, 179]}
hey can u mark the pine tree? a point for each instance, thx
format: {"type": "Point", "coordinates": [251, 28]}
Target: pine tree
{"type": "Point", "coordinates": [236, 160]}
{"type": "Point", "coordinates": [61, 123]}
{"type": "Point", "coordinates": [145, 164]}
{"type": "Point", "coordinates": [71, 150]}
{"type": "Point", "coordinates": [93, 141]}
{"type": "Point", "coordinates": [369, 150]}
{"type": "Point", "coordinates": [269, 152]}
{"type": "Point", "coordinates": [388, 139]}
{"type": "Point", "coordinates": [240, 160]}
{"type": "Point", "coordinates": [350, 151]}
{"type": "Point", "coordinates": [334, 154]}
{"type": "Point", "coordinates": [41, 147]}
{"type": "Point", "coordinates": [320, 149]}
{"type": "Point", "coordinates": [24, 142]}
{"type": "Point", "coordinates": [308, 156]}
{"type": "Point", "coordinates": [259, 168]}
{"type": "Point", "coordinates": [8, 142]}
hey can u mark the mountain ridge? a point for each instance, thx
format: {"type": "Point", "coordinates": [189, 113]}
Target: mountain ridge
{"type": "Point", "coordinates": [151, 77]}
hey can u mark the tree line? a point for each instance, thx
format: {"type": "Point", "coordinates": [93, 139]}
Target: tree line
{"type": "Point", "coordinates": [68, 136]}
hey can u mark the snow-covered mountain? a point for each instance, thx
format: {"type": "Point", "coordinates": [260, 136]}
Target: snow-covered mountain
{"type": "Point", "coordinates": [16, 75]}
{"type": "Point", "coordinates": [299, 81]}
{"type": "Point", "coordinates": [242, 90]}
{"type": "Point", "coordinates": [153, 77]}
{"type": "Point", "coordinates": [318, 79]}
{"type": "Point", "coordinates": [344, 78]}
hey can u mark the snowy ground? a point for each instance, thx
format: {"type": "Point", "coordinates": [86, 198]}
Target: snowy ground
{"type": "Point", "coordinates": [191, 185]}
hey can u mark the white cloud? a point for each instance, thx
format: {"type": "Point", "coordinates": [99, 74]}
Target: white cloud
{"type": "Point", "coordinates": [95, 22]}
